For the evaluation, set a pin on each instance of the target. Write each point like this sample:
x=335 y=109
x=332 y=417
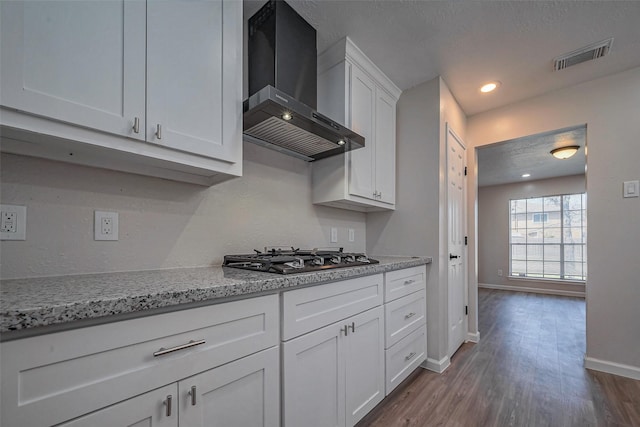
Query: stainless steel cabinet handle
x=353 y=326
x=345 y=330
x=380 y=195
x=167 y=403
x=192 y=393
x=410 y=356
x=159 y=131
x=136 y=124
x=408 y=282
x=162 y=351
x=409 y=316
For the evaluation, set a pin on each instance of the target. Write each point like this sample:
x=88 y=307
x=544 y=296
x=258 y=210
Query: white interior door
x=457 y=255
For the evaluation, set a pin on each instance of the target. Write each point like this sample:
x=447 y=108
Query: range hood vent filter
x=587 y=53
x=290 y=137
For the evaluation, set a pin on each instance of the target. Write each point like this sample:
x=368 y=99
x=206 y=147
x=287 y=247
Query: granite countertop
x=46 y=301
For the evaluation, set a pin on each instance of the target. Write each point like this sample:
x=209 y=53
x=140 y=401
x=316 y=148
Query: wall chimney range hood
x=280 y=112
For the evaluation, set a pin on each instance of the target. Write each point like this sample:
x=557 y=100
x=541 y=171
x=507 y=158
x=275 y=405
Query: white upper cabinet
x=78 y=62
x=147 y=87
x=191 y=89
x=353 y=91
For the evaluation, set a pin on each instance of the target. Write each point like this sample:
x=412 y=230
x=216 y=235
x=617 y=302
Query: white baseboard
x=473 y=337
x=579 y=294
x=628 y=371
x=438 y=366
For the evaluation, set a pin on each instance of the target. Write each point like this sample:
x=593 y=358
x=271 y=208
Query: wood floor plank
x=526 y=371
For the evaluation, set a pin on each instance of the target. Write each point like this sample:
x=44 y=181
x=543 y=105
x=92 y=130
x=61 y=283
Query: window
x=548 y=237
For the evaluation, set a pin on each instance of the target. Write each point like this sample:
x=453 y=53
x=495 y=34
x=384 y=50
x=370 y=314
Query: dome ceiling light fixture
x=565 y=152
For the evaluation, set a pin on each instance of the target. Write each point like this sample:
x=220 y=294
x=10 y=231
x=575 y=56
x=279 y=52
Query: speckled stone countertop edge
x=46 y=301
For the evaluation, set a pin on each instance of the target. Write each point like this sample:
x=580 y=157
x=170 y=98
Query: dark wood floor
x=526 y=371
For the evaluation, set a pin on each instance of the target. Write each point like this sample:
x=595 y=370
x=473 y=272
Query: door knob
x=452 y=256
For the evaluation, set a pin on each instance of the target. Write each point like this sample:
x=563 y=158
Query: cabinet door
x=364 y=364
x=385 y=156
x=147 y=410
x=313 y=379
x=193 y=76
x=243 y=393
x=361 y=163
x=81 y=62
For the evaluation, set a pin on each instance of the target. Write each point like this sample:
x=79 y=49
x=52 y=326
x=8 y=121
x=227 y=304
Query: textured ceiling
x=505 y=162
x=471 y=42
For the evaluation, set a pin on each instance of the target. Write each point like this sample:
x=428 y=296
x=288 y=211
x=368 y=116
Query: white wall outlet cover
x=352 y=235
x=105 y=225
x=13 y=222
x=334 y=235
x=631 y=189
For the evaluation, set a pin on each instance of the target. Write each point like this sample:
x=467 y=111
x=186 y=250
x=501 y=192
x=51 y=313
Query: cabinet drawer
x=403 y=315
x=403 y=282
x=307 y=309
x=52 y=378
x=404 y=357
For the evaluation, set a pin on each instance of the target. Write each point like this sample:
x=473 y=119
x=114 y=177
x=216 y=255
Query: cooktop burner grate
x=290 y=260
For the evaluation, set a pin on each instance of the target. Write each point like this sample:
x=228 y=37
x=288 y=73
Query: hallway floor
x=526 y=371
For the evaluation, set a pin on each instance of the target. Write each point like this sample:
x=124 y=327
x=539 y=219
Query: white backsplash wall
x=163 y=224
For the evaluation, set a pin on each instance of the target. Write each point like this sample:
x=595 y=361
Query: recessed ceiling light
x=286 y=116
x=526 y=175
x=489 y=87
x=341 y=142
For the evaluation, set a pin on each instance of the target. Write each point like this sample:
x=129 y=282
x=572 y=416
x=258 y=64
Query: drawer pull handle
x=136 y=124
x=409 y=316
x=159 y=131
x=162 y=351
x=167 y=403
x=192 y=393
x=408 y=282
x=410 y=356
x=353 y=326
x=345 y=330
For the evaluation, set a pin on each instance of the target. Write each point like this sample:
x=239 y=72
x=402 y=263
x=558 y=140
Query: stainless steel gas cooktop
x=290 y=260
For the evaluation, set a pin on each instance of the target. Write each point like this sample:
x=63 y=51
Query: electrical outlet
x=13 y=222
x=105 y=226
x=500 y=272
x=352 y=235
x=334 y=235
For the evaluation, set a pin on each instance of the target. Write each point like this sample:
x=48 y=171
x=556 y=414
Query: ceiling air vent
x=587 y=53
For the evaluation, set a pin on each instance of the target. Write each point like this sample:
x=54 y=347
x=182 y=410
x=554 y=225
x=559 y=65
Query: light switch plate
x=334 y=235
x=631 y=189
x=13 y=222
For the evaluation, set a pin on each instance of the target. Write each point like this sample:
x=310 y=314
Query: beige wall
x=610 y=107
x=418 y=225
x=163 y=224
x=493 y=230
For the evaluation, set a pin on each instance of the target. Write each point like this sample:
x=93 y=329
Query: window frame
x=538 y=249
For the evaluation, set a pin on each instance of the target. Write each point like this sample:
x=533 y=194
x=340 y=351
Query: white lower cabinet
x=148 y=409
x=240 y=394
x=333 y=352
x=335 y=375
x=405 y=324
x=229 y=352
